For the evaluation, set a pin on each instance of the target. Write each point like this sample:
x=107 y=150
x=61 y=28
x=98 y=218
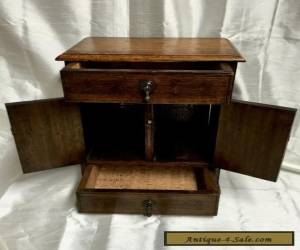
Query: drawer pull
x=148 y=205
x=147 y=87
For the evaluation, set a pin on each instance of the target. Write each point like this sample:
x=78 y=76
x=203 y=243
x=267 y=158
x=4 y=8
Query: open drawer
x=156 y=83
x=143 y=190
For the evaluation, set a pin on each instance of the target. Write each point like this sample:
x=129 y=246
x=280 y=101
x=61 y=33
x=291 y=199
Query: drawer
x=144 y=190
x=156 y=83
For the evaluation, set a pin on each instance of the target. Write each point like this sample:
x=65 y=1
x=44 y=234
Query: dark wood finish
x=213 y=124
x=143 y=163
x=203 y=201
x=252 y=138
x=233 y=66
x=149 y=132
x=152 y=49
x=132 y=203
x=48 y=133
x=170 y=86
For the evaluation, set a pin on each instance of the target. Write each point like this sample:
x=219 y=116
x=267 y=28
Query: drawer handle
x=148 y=205
x=147 y=87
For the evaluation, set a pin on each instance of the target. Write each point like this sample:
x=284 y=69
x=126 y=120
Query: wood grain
x=166 y=203
x=252 y=138
x=149 y=132
x=48 y=133
x=170 y=86
x=152 y=49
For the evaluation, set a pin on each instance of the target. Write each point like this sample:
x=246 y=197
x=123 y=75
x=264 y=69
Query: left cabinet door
x=48 y=133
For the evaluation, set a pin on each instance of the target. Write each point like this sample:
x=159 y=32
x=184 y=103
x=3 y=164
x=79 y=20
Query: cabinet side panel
x=48 y=133
x=252 y=138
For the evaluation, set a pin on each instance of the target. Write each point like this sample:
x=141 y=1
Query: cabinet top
x=152 y=49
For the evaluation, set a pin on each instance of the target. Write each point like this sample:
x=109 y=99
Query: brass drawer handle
x=147 y=87
x=148 y=206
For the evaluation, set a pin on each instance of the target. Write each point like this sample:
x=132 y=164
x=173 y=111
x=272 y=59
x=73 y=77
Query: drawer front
x=129 y=86
x=150 y=202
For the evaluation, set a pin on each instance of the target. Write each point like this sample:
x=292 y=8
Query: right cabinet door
x=252 y=138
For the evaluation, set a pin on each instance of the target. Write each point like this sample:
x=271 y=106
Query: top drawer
x=156 y=83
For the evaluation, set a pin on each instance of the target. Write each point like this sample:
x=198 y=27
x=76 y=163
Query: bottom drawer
x=144 y=190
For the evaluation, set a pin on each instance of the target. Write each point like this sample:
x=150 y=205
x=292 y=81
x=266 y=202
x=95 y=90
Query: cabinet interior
x=116 y=132
x=181 y=132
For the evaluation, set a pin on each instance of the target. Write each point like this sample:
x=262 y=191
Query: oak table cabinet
x=151 y=121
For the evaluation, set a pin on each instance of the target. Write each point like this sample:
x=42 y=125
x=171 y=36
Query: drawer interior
x=143 y=178
x=202 y=66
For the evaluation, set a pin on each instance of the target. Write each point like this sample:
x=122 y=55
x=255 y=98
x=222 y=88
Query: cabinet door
x=48 y=133
x=252 y=138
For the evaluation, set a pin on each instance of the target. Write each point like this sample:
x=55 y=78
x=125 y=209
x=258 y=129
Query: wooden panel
x=170 y=86
x=48 y=133
x=144 y=163
x=152 y=49
x=149 y=132
x=94 y=199
x=213 y=124
x=252 y=138
x=132 y=203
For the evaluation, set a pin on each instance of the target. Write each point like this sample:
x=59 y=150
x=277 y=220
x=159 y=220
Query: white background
x=37 y=211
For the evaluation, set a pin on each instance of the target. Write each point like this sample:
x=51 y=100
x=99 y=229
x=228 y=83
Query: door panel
x=48 y=133
x=252 y=138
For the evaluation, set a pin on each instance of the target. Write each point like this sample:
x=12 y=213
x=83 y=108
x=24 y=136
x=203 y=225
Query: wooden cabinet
x=152 y=121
